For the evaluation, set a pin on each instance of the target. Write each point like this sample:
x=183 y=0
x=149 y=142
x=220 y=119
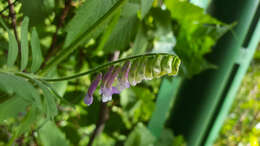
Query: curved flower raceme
x=117 y=78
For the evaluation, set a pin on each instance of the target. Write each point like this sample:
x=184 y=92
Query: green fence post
x=244 y=62
x=200 y=98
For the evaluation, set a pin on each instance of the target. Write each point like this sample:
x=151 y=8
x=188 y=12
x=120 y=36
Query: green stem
x=100 y=67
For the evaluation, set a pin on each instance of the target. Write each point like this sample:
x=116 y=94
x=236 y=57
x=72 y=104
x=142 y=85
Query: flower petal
x=88 y=99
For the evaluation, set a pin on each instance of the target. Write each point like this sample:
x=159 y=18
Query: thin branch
x=6 y=8
x=100 y=125
x=100 y=67
x=53 y=47
x=13 y=18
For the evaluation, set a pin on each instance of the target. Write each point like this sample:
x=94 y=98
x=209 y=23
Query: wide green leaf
x=18 y=86
x=24 y=43
x=86 y=16
x=37 y=10
x=124 y=30
x=50 y=135
x=197 y=33
x=145 y=7
x=37 y=58
x=140 y=42
x=12 y=49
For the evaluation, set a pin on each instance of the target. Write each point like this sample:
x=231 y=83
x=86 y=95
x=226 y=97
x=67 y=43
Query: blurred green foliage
x=87 y=34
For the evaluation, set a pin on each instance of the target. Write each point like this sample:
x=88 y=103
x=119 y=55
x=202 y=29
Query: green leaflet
x=20 y=87
x=24 y=43
x=12 y=49
x=49 y=106
x=36 y=51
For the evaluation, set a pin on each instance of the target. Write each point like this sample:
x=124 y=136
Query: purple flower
x=106 y=87
x=89 y=96
x=123 y=79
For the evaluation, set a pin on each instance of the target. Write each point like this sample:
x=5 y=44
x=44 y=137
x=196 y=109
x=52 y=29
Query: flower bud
x=175 y=66
x=157 y=66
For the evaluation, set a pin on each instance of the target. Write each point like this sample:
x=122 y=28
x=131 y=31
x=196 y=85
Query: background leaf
x=50 y=135
x=37 y=10
x=140 y=136
x=36 y=51
x=28 y=121
x=124 y=30
x=145 y=7
x=24 y=43
x=12 y=107
x=85 y=17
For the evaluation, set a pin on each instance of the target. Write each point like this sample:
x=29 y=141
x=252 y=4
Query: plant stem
x=103 y=117
x=100 y=67
x=13 y=18
x=6 y=8
x=103 y=113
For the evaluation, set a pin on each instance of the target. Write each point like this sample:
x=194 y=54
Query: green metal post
x=244 y=62
x=200 y=98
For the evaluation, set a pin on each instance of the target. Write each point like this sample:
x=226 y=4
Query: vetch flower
x=116 y=79
x=89 y=96
x=107 y=90
x=123 y=79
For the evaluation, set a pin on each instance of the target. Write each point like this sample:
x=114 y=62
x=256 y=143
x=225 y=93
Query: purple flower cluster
x=107 y=89
x=116 y=79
